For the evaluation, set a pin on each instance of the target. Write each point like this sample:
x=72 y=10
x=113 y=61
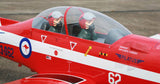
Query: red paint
x=56 y=52
x=26 y=47
x=65 y=19
x=137 y=47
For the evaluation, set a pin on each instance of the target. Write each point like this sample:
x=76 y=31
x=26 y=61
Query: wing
x=56 y=78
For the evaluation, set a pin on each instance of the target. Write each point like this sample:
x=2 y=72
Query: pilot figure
x=54 y=23
x=87 y=27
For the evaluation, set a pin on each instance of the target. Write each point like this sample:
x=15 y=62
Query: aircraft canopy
x=107 y=30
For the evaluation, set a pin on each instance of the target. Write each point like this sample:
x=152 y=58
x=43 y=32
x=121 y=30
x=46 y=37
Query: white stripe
x=80 y=58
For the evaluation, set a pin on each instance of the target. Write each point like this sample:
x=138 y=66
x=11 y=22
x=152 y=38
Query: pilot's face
x=88 y=23
x=56 y=21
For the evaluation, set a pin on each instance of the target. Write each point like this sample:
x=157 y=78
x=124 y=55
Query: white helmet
x=89 y=16
x=56 y=14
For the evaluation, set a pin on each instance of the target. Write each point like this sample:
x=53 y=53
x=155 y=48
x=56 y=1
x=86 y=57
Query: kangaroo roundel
x=25 y=48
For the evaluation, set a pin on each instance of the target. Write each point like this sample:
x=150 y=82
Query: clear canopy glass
x=107 y=30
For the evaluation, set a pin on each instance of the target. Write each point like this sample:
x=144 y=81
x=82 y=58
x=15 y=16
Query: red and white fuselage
x=131 y=59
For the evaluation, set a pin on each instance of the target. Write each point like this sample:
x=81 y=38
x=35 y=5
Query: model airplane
x=75 y=45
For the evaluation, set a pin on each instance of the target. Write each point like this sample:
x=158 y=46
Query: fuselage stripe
x=78 y=57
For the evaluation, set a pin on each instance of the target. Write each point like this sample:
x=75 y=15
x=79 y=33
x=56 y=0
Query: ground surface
x=139 y=16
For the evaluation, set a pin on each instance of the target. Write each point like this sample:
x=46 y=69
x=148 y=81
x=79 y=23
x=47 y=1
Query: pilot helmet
x=86 y=17
x=54 y=15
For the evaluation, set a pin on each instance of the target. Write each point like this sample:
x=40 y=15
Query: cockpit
x=81 y=23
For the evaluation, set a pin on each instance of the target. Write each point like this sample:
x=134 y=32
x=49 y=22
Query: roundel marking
x=25 y=48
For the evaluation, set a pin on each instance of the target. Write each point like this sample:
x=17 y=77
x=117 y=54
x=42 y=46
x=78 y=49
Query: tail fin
x=4 y=21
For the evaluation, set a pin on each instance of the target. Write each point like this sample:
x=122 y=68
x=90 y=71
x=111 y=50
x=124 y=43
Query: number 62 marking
x=112 y=77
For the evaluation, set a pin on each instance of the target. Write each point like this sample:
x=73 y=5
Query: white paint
x=78 y=57
x=43 y=38
x=72 y=45
x=24 y=49
x=126 y=49
x=114 y=78
x=157 y=36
